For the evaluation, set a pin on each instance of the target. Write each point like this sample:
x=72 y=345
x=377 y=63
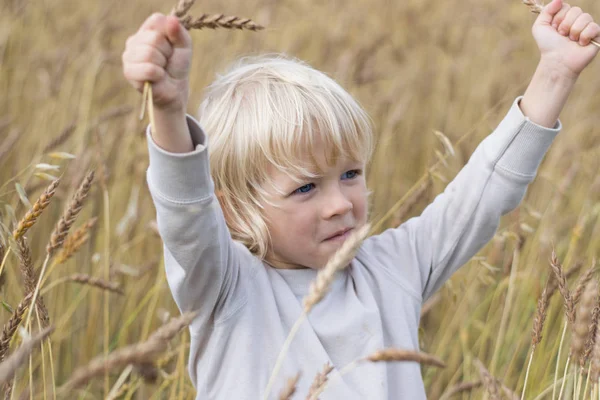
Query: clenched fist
x=160 y=52
x=563 y=34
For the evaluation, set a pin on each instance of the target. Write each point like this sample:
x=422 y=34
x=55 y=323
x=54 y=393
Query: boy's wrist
x=551 y=65
x=172 y=132
x=547 y=93
x=175 y=108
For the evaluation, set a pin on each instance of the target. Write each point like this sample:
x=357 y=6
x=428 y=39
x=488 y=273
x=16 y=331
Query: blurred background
x=435 y=76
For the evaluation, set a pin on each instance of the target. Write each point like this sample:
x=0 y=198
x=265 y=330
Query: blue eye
x=305 y=189
x=353 y=173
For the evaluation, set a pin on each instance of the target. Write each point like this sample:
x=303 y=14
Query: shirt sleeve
x=202 y=262
x=425 y=251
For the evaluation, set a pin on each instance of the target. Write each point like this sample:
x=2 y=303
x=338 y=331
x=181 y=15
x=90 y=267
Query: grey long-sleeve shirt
x=246 y=308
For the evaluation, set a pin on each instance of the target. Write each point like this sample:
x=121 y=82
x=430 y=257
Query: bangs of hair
x=277 y=112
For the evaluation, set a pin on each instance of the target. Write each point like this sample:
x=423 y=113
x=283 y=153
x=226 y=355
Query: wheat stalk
x=12 y=363
x=61 y=138
x=204 y=21
x=97 y=282
x=182 y=7
x=9 y=142
x=134 y=354
x=383 y=355
x=61 y=230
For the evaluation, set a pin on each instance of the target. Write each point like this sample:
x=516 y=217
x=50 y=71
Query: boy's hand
x=160 y=52
x=563 y=34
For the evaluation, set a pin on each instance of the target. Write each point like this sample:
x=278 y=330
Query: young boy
x=288 y=148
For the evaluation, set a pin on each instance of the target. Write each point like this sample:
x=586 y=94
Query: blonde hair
x=268 y=111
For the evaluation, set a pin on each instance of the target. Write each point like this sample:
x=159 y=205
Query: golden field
x=416 y=66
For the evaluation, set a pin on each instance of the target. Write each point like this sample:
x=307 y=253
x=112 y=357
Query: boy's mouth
x=342 y=234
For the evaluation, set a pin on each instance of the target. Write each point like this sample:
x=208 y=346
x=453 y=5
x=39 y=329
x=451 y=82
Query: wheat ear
x=563 y=288
x=97 y=282
x=595 y=361
x=61 y=230
x=591 y=339
x=68 y=218
x=134 y=354
x=319 y=380
x=12 y=363
x=74 y=241
x=384 y=355
x=36 y=210
x=29 y=276
x=340 y=260
x=290 y=387
x=538 y=327
x=11 y=326
x=489 y=382
x=204 y=21
x=182 y=7
x=583 y=281
x=215 y=21
x=581 y=327
x=392 y=354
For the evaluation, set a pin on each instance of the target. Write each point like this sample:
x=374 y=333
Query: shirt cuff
x=180 y=177
x=518 y=144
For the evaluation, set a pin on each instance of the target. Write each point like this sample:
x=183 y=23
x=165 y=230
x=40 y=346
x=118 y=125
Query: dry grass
x=139 y=353
x=417 y=67
x=96 y=282
x=15 y=360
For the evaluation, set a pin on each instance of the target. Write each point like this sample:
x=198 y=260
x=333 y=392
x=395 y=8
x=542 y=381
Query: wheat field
x=436 y=78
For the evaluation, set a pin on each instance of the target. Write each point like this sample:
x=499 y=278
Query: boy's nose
x=336 y=203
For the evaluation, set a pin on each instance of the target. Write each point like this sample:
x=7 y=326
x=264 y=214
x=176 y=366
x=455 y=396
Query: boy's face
x=305 y=221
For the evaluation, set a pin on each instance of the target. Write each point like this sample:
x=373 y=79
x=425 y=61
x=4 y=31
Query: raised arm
x=206 y=269
x=203 y=264
x=426 y=250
